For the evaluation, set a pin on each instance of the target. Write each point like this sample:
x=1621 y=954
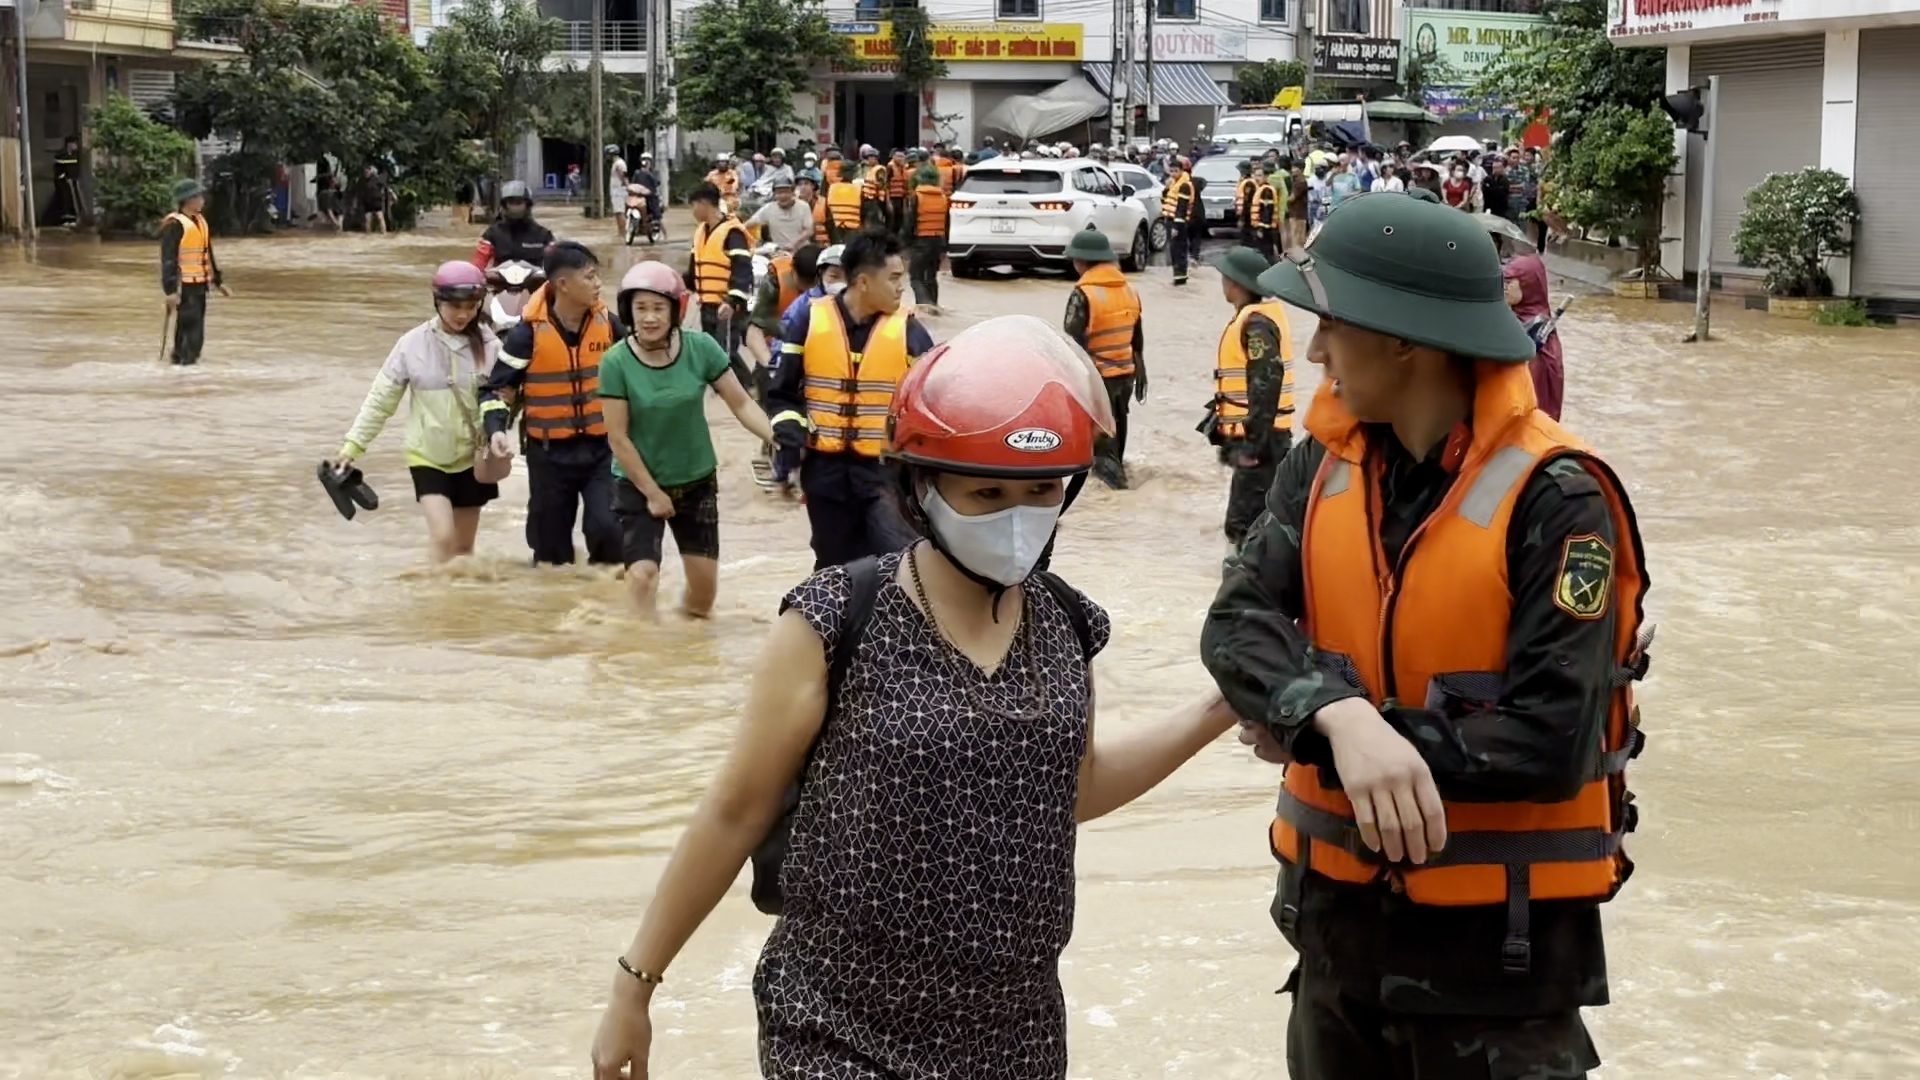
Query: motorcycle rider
x=647 y=178
x=514 y=235
x=720 y=272
x=726 y=182
x=771 y=174
x=786 y=222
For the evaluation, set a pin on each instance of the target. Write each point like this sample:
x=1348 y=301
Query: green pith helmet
x=187 y=189
x=1090 y=246
x=1415 y=270
x=1243 y=266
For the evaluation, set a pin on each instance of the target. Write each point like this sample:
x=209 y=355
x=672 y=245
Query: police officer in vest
x=551 y=360
x=1251 y=419
x=720 y=273
x=1437 y=622
x=841 y=357
x=1103 y=317
x=187 y=269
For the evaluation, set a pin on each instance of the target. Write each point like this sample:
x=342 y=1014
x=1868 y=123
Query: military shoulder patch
x=1584 y=586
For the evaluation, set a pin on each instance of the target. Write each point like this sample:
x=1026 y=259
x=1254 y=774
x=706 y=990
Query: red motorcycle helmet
x=1008 y=397
x=457 y=280
x=652 y=276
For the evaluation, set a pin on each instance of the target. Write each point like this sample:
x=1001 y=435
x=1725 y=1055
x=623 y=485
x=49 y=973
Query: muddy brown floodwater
x=278 y=800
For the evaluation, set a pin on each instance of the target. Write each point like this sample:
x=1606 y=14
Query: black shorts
x=695 y=521
x=460 y=488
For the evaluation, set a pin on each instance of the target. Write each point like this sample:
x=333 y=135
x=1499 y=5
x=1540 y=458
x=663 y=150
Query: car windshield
x=1252 y=125
x=991 y=181
x=1216 y=169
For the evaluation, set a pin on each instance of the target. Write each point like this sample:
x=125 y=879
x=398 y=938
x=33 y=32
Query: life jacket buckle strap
x=1516 y=950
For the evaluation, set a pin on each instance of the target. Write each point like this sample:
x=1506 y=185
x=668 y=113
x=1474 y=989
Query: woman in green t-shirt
x=653 y=390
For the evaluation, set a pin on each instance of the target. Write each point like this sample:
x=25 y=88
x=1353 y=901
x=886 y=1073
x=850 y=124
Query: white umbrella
x=1455 y=144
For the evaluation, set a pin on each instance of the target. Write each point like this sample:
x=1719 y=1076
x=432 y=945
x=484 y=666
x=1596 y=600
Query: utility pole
x=1703 y=285
x=599 y=186
x=1306 y=39
x=29 y=220
x=1124 y=75
x=653 y=62
x=1116 y=122
x=1153 y=107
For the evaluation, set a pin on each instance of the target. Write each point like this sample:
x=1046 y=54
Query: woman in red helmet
x=653 y=393
x=928 y=883
x=439 y=364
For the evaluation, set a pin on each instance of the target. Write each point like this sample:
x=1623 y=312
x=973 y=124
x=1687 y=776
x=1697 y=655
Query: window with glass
x=1017 y=9
x=1178 y=10
x=1273 y=11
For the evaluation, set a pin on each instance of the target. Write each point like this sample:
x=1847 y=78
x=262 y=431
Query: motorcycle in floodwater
x=512 y=284
x=640 y=220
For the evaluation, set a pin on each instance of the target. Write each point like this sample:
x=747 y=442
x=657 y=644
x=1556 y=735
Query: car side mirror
x=1127 y=191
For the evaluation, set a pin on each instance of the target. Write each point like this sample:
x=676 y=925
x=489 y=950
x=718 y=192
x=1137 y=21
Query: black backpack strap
x=1075 y=603
x=863 y=585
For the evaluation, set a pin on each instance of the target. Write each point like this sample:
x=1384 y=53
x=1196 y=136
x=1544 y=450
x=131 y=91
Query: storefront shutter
x=1886 y=261
x=1770 y=106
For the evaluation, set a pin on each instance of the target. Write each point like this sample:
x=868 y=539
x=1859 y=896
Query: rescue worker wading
x=1103 y=317
x=188 y=269
x=1177 y=207
x=552 y=360
x=720 y=272
x=1442 y=603
x=927 y=209
x=900 y=178
x=514 y=235
x=1263 y=215
x=845 y=200
x=1243 y=203
x=1251 y=420
x=841 y=358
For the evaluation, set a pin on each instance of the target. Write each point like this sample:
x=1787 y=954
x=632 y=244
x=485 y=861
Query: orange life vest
x=781 y=267
x=897 y=180
x=820 y=234
x=726 y=180
x=1230 y=378
x=1243 y=196
x=196 y=248
x=950 y=174
x=930 y=217
x=830 y=170
x=1113 y=311
x=1177 y=187
x=1434 y=630
x=875 y=187
x=848 y=393
x=562 y=390
x=1264 y=211
x=712 y=262
x=843 y=203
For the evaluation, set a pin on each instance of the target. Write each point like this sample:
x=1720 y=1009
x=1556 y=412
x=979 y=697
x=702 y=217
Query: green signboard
x=1467 y=40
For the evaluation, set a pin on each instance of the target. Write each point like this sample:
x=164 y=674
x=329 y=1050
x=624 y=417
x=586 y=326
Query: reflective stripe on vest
x=1113 y=311
x=712 y=263
x=896 y=181
x=1230 y=378
x=843 y=202
x=1170 y=199
x=196 y=260
x=1265 y=209
x=1242 y=195
x=874 y=187
x=1435 y=633
x=931 y=218
x=848 y=393
x=562 y=388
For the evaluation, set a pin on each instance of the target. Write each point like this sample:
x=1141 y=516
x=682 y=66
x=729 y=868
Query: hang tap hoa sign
x=960 y=42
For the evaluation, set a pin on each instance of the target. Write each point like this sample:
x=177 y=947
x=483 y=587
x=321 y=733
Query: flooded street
x=279 y=800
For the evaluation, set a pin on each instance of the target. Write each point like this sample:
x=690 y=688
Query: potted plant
x=1793 y=225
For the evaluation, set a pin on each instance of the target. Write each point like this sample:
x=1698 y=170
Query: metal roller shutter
x=1886 y=262
x=1770 y=106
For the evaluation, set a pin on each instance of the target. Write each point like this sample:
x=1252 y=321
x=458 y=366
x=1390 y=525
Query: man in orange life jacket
x=720 y=273
x=551 y=360
x=927 y=218
x=841 y=357
x=187 y=270
x=1103 y=317
x=1251 y=418
x=1437 y=622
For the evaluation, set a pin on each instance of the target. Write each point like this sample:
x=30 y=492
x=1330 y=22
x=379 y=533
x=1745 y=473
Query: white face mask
x=835 y=288
x=1002 y=546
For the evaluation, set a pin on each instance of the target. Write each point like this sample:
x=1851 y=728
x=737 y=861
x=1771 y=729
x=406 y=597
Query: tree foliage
x=137 y=161
x=913 y=44
x=1615 y=178
x=1259 y=84
x=1423 y=72
x=491 y=63
x=1793 y=224
x=741 y=62
x=566 y=111
x=1570 y=73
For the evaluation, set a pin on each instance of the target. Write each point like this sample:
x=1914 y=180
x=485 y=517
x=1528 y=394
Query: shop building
x=1830 y=83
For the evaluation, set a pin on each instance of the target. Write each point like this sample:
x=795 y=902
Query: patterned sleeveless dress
x=929 y=879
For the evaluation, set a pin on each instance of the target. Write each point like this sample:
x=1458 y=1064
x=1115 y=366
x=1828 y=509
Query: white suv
x=1024 y=211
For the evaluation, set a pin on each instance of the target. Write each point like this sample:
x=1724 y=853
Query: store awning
x=1173 y=84
x=1399 y=109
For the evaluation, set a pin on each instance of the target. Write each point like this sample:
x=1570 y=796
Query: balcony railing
x=615 y=37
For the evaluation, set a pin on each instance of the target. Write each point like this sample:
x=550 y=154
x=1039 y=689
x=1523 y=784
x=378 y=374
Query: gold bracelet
x=644 y=976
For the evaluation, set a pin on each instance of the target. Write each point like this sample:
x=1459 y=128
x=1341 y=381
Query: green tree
x=631 y=116
x=913 y=43
x=1615 y=177
x=1570 y=72
x=1257 y=84
x=1424 y=72
x=137 y=162
x=741 y=62
x=491 y=63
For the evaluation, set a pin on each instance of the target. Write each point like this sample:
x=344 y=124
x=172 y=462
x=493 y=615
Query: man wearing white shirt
x=1387 y=181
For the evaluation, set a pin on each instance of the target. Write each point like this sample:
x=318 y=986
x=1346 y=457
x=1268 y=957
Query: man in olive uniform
x=188 y=269
x=1253 y=388
x=1103 y=317
x=1243 y=203
x=1178 y=204
x=1442 y=602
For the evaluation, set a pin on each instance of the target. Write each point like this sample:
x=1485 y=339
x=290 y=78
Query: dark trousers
x=561 y=479
x=1110 y=451
x=850 y=505
x=1264 y=242
x=190 y=324
x=897 y=218
x=730 y=341
x=925 y=268
x=1247 y=496
x=1331 y=1036
x=1177 y=250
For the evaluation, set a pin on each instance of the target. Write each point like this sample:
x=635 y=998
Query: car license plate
x=1003 y=225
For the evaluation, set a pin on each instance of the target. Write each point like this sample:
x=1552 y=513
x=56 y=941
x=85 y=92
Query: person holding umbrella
x=1525 y=274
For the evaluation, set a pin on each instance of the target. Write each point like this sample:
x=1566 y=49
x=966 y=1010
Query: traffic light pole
x=1703 y=284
